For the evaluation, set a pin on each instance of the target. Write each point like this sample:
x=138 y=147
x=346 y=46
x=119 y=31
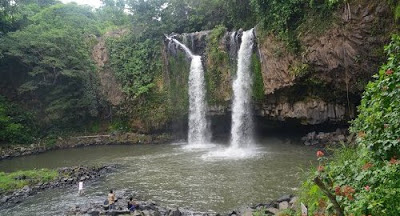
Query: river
x=172 y=175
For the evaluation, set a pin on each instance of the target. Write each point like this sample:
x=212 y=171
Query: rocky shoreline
x=324 y=139
x=151 y=208
x=12 y=151
x=68 y=177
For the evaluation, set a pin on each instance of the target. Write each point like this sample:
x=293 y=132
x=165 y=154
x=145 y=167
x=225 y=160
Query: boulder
x=176 y=213
x=247 y=213
x=272 y=210
x=284 y=198
x=283 y=205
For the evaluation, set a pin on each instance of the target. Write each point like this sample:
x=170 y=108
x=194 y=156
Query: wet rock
x=4 y=199
x=284 y=198
x=157 y=213
x=26 y=188
x=247 y=213
x=293 y=200
x=322 y=139
x=138 y=213
x=283 y=205
x=93 y=213
x=233 y=213
x=272 y=210
x=176 y=213
x=146 y=213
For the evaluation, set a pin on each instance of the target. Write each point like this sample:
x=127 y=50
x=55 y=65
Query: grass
x=19 y=179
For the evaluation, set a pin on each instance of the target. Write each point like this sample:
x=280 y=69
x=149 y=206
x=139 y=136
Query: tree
x=55 y=54
x=113 y=11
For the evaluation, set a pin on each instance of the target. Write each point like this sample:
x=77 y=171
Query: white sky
x=93 y=3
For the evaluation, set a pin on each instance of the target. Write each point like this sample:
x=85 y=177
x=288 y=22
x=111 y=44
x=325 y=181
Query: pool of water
x=201 y=179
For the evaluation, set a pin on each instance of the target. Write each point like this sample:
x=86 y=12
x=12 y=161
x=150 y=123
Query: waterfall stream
x=242 y=122
x=198 y=134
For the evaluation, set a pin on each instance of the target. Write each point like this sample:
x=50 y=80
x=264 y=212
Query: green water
x=172 y=176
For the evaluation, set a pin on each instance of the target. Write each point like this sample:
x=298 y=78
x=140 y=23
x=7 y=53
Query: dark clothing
x=132 y=206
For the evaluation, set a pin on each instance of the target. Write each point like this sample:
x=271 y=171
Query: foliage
x=260 y=212
x=112 y=13
x=258 y=81
x=395 y=6
x=153 y=18
x=299 y=69
x=178 y=86
x=283 y=17
x=16 y=125
x=138 y=68
x=119 y=125
x=14 y=14
x=217 y=61
x=193 y=15
x=54 y=53
x=19 y=179
x=378 y=122
x=364 y=179
x=151 y=113
x=135 y=65
x=286 y=212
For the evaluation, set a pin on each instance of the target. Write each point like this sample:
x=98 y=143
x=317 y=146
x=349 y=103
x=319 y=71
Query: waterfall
x=242 y=122
x=198 y=133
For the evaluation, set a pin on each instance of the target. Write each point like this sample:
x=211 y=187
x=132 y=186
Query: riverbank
x=12 y=151
x=23 y=184
x=283 y=205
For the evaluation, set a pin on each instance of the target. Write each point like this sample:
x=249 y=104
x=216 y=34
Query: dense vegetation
x=16 y=125
x=45 y=62
x=363 y=179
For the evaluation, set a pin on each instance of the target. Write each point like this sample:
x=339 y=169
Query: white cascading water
x=198 y=128
x=242 y=122
x=241 y=145
x=198 y=134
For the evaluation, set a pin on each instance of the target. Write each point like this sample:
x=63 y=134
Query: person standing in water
x=111 y=200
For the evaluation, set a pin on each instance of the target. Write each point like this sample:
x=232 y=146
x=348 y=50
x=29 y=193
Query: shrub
x=16 y=125
x=378 y=124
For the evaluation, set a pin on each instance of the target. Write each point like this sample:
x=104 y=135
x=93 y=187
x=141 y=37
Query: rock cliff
x=110 y=87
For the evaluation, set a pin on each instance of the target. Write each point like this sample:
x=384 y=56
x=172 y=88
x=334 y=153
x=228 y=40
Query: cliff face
x=110 y=87
x=322 y=83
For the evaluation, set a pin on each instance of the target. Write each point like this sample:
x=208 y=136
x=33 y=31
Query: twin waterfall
x=198 y=127
x=242 y=123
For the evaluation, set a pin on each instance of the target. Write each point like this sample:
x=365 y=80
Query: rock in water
x=283 y=205
x=285 y=198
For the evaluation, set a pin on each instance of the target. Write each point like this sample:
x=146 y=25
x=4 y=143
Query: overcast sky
x=93 y=3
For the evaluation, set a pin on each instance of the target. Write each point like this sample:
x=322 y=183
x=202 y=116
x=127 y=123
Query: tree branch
x=332 y=198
